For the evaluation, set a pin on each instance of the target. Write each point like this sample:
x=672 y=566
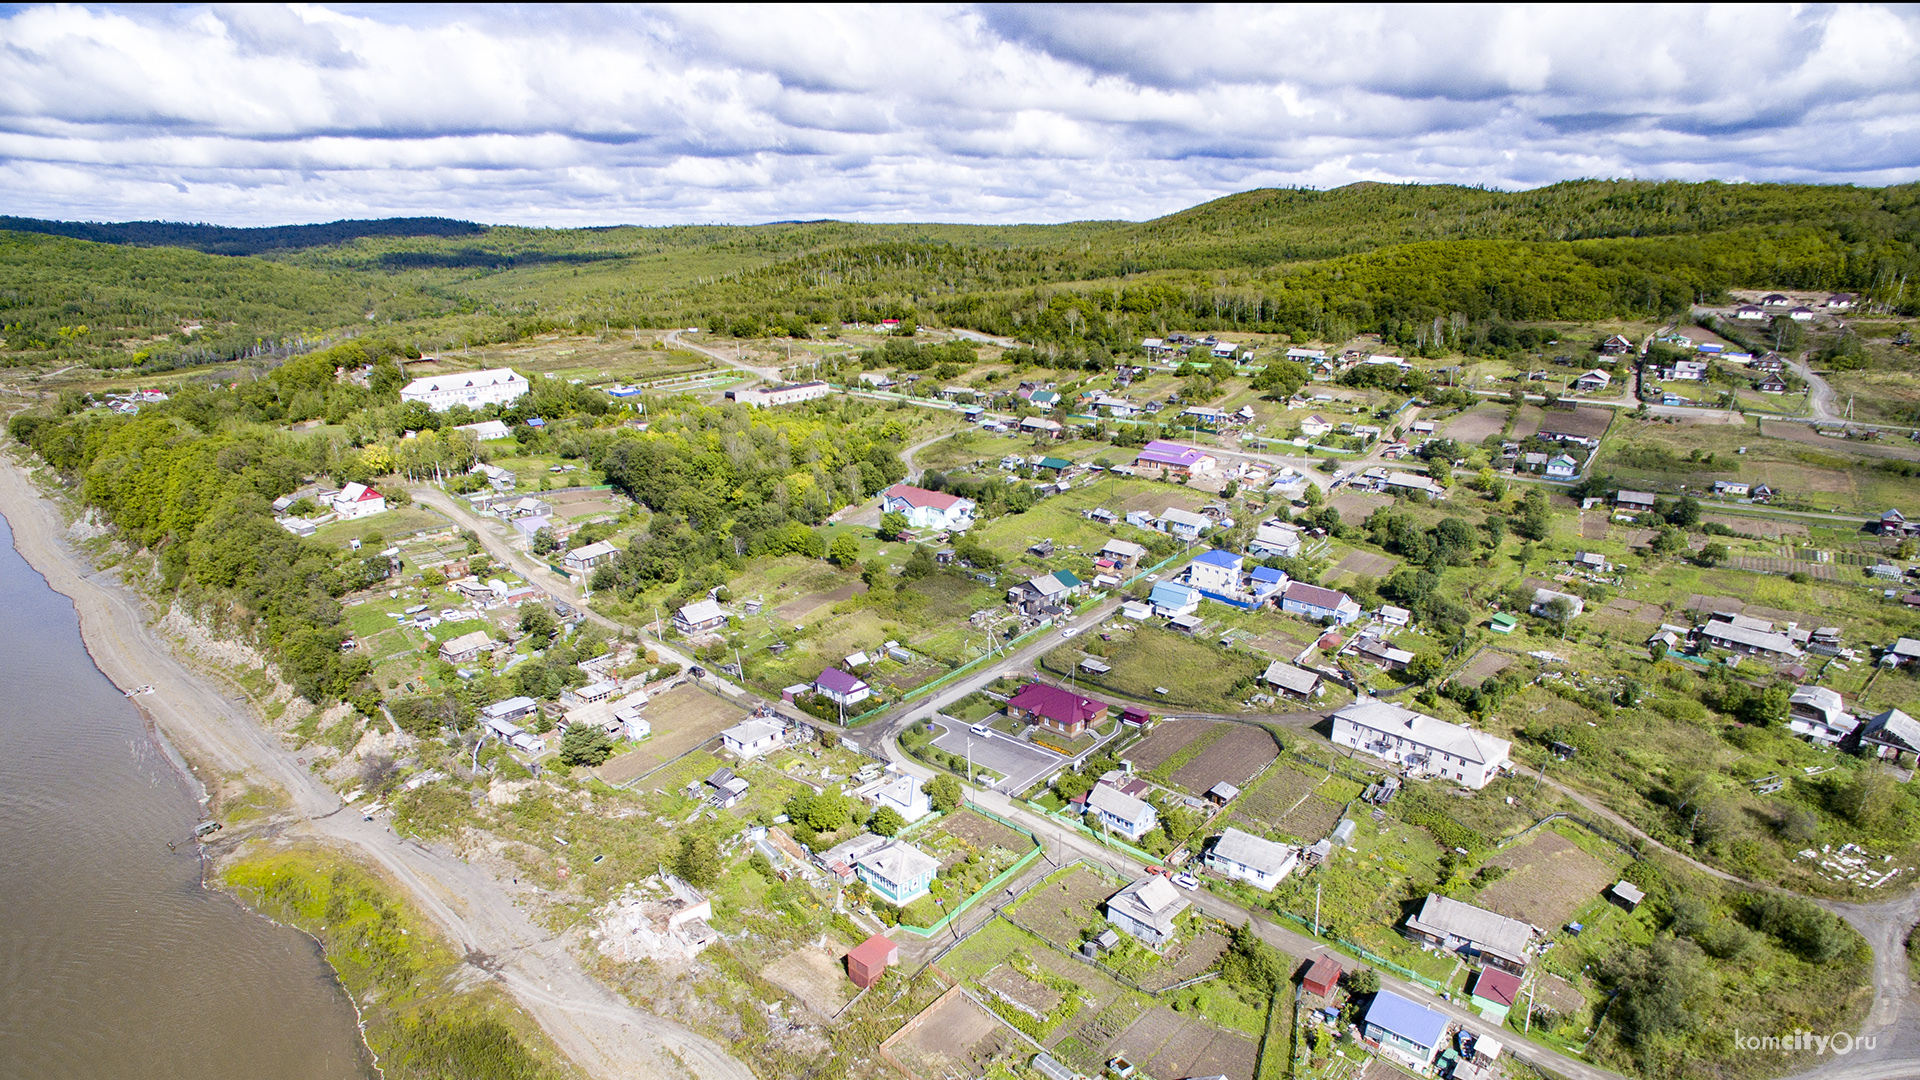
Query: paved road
x=1021 y=763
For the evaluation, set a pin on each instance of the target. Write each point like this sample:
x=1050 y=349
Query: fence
x=1102 y=836
x=1370 y=956
x=999 y=880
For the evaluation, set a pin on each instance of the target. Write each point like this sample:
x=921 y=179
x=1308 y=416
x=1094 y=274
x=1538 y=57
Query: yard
x=1290 y=803
x=1162 y=667
x=683 y=718
x=1548 y=878
x=1233 y=757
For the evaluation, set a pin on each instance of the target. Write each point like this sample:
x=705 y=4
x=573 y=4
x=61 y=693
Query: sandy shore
x=603 y=1035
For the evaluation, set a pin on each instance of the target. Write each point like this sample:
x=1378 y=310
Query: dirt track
x=603 y=1035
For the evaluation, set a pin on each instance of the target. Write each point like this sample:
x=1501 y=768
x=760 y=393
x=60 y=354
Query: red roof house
x=869 y=960
x=1055 y=709
x=1322 y=977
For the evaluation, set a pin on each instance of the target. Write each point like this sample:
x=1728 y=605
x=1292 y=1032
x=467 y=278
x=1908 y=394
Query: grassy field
x=1194 y=674
x=400 y=973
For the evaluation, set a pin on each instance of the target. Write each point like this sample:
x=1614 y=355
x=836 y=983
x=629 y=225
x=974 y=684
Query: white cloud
x=562 y=116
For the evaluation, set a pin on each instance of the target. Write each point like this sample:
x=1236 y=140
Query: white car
x=1070 y=631
x=983 y=731
x=1186 y=881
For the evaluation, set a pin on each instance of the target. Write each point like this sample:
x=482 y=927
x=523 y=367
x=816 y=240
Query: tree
x=886 y=821
x=544 y=542
x=1425 y=667
x=944 y=792
x=1685 y=513
x=892 y=524
x=699 y=861
x=1559 y=610
x=1713 y=554
x=1669 y=541
x=585 y=744
x=1655 y=986
x=844 y=552
x=919 y=563
x=1363 y=981
x=828 y=811
x=536 y=621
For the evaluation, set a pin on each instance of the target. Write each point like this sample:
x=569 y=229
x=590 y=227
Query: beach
x=218 y=734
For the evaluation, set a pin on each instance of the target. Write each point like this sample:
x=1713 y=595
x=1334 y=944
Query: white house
x=1562 y=467
x=1275 y=538
x=1120 y=812
x=358 y=501
x=494 y=386
x=900 y=793
x=582 y=559
x=1593 y=381
x=1819 y=714
x=753 y=738
x=928 y=509
x=1543 y=602
x=1147 y=910
x=1246 y=857
x=487 y=430
x=897 y=872
x=1183 y=524
x=1422 y=743
x=1170 y=599
x=842 y=688
x=1315 y=426
x=699 y=616
x=767 y=397
x=1314 y=602
x=1216 y=571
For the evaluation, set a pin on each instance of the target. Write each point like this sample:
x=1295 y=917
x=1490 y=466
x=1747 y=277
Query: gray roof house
x=1246 y=857
x=1147 y=910
x=1460 y=927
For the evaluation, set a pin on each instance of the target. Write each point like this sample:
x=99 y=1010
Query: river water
x=114 y=962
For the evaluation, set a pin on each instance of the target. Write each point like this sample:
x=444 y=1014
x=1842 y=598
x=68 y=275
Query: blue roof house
x=1265 y=581
x=1170 y=599
x=1413 y=1032
x=1216 y=572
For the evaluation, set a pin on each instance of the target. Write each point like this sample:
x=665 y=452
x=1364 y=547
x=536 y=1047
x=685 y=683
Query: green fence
x=1370 y=956
x=999 y=881
x=1081 y=826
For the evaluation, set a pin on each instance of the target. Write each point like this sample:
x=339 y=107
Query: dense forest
x=1315 y=264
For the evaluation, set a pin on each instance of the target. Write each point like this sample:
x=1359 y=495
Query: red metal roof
x=914 y=496
x=1060 y=706
x=873 y=952
x=1497 y=986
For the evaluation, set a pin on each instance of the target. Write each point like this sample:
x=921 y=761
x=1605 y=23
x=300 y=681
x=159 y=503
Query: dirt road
x=600 y=1033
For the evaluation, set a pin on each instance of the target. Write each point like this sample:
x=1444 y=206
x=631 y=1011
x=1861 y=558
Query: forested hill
x=1318 y=264
x=221 y=240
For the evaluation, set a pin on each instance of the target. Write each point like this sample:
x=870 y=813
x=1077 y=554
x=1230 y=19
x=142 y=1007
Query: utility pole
x=1316 y=909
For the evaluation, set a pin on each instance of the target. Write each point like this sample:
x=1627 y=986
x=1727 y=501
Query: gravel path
x=603 y=1035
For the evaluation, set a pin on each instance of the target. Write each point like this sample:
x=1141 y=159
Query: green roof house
x=1503 y=624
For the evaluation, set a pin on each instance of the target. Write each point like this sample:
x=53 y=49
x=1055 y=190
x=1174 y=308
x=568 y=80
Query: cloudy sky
x=256 y=114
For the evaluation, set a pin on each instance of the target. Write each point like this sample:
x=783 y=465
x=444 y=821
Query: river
x=114 y=961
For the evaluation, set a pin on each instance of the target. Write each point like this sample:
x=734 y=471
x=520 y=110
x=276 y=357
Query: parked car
x=1186 y=881
x=983 y=731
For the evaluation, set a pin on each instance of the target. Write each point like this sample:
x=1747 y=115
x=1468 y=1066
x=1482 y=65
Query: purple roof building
x=1172 y=457
x=842 y=688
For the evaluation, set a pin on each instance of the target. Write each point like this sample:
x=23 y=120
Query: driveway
x=1023 y=764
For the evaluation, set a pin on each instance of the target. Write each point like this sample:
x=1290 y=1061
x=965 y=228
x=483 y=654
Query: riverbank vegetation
x=423 y=1013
